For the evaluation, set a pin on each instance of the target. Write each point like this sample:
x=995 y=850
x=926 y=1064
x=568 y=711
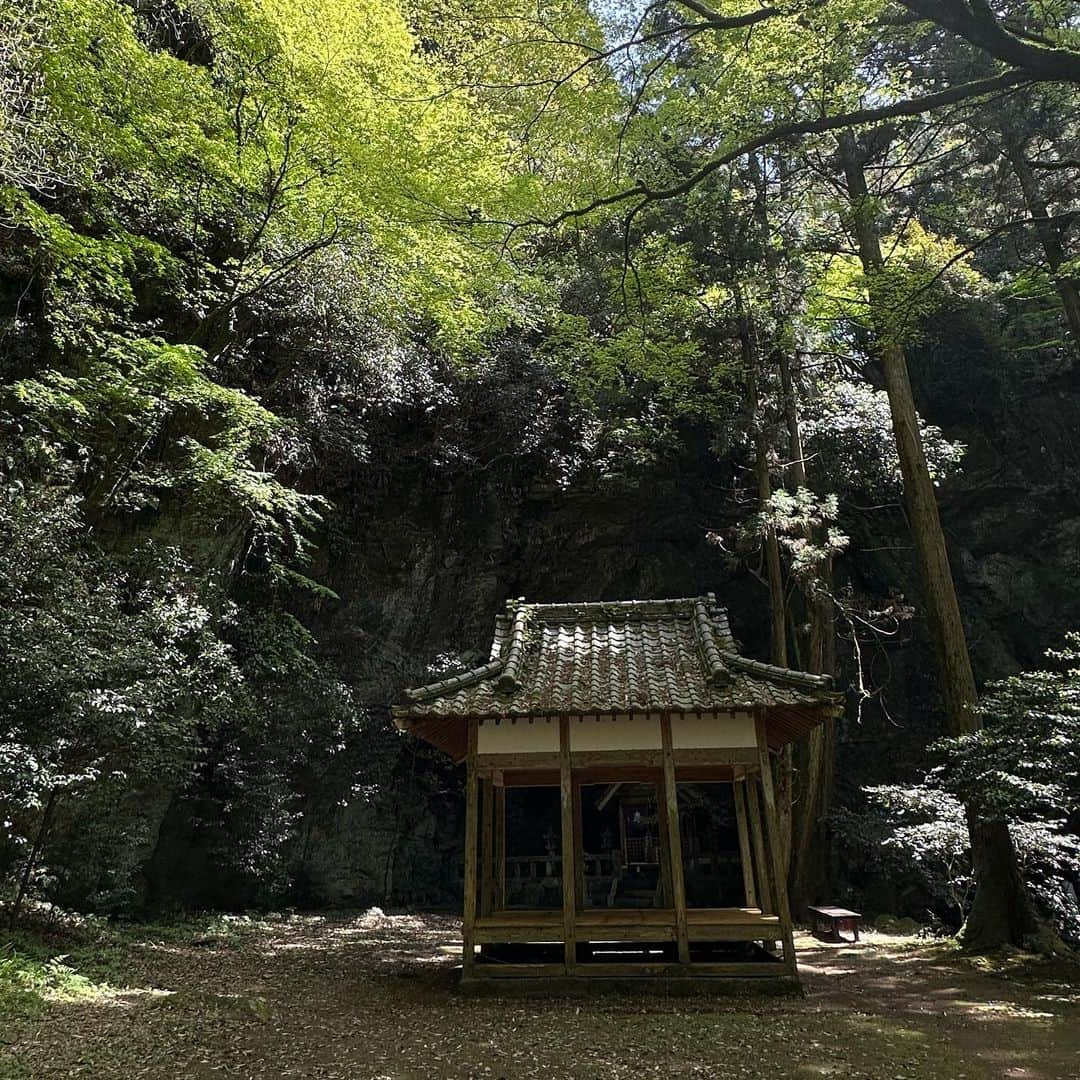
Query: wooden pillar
x=569 y=876
x=487 y=846
x=669 y=794
x=579 y=848
x=472 y=809
x=665 y=846
x=500 y=848
x=738 y=790
x=761 y=863
x=779 y=870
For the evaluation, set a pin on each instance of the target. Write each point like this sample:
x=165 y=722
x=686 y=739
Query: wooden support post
x=487 y=847
x=500 y=848
x=569 y=877
x=670 y=795
x=779 y=870
x=761 y=862
x=472 y=809
x=665 y=847
x=738 y=790
x=579 y=848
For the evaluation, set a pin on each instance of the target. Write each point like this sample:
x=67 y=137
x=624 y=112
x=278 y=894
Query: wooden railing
x=537 y=867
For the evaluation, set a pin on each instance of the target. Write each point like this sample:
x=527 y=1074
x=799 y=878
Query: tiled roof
x=632 y=656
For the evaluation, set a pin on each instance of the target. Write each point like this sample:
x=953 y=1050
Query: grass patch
x=28 y=983
x=74 y=958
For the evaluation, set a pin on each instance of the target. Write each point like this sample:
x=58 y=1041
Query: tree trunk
x=773 y=565
x=806 y=840
x=778 y=651
x=803 y=812
x=32 y=858
x=809 y=878
x=804 y=830
x=1002 y=912
x=1049 y=238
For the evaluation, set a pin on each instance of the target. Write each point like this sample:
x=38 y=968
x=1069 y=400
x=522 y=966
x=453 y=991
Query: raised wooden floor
x=628 y=924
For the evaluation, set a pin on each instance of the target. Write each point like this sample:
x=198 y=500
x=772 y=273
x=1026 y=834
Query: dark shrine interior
x=623 y=849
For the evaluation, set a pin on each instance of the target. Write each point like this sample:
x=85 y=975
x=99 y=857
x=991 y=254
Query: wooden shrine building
x=620 y=708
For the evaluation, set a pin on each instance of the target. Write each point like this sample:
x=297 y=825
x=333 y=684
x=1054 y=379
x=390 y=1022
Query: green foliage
x=848 y=427
x=31 y=146
x=1024 y=766
x=64 y=957
x=204 y=177
x=275 y=273
x=806 y=526
x=923 y=274
x=117 y=669
x=917 y=835
x=27 y=984
x=1026 y=761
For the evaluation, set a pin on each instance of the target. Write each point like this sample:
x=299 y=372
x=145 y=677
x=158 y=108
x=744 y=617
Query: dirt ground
x=372 y=996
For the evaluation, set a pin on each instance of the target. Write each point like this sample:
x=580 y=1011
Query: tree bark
x=773 y=565
x=810 y=842
x=802 y=819
x=1049 y=237
x=1002 y=911
x=32 y=858
x=778 y=650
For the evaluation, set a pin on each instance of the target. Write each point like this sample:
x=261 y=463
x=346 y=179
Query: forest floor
x=368 y=996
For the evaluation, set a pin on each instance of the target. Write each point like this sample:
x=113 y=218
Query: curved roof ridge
x=455 y=682
x=508 y=682
x=705 y=633
x=775 y=673
x=669 y=606
x=608 y=656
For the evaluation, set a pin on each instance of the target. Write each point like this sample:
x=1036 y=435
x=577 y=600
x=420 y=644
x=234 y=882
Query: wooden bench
x=830 y=922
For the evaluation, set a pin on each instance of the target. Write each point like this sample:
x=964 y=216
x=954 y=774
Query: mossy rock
x=902 y=926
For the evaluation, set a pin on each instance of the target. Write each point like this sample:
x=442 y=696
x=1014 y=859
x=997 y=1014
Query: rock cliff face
x=423 y=560
x=1012 y=518
x=423 y=587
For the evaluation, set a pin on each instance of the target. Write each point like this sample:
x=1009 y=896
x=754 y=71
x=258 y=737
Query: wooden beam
x=704 y=774
x=593 y=774
x=761 y=862
x=669 y=793
x=518 y=778
x=608 y=793
x=529 y=761
x=566 y=800
x=487 y=847
x=584 y=759
x=518 y=971
x=778 y=868
x=738 y=755
x=500 y=848
x=744 y=843
x=614 y=759
x=472 y=809
x=548 y=933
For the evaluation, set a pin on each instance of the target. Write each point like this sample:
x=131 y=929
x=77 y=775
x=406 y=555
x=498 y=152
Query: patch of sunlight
x=1060 y=999
x=1006 y=1008
x=28 y=984
x=126 y=997
x=908 y=1033
x=820 y=968
x=202 y=1001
